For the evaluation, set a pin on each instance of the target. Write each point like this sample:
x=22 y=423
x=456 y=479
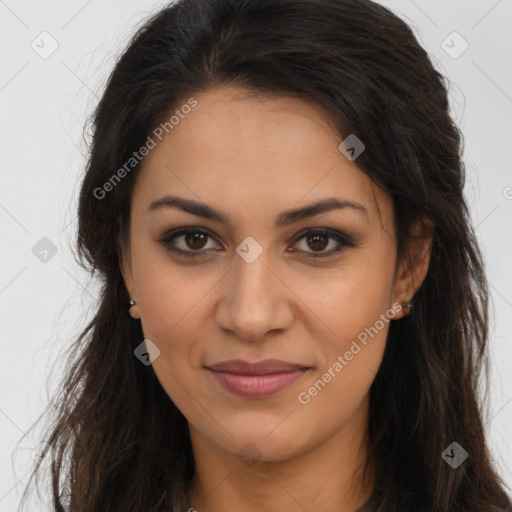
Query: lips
x=256 y=380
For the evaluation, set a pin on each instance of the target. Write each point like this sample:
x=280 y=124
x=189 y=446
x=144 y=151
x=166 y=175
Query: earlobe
x=133 y=310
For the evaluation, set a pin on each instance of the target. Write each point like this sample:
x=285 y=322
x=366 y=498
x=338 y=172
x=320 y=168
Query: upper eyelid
x=175 y=233
x=337 y=236
x=192 y=229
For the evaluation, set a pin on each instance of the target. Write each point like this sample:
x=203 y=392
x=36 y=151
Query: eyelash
x=342 y=239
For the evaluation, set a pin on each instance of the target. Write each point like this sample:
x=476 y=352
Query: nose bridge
x=252 y=279
x=254 y=300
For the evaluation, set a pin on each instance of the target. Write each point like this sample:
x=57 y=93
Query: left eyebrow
x=283 y=219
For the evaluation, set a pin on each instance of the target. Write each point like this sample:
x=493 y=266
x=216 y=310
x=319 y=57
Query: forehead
x=255 y=152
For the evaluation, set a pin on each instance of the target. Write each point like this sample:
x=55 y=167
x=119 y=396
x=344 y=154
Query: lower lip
x=257 y=386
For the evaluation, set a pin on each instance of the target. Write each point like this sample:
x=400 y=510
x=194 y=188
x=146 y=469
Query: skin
x=252 y=158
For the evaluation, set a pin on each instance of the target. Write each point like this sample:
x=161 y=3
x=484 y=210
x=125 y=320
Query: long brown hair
x=118 y=441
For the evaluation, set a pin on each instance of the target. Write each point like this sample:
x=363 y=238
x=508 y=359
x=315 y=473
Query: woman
x=294 y=306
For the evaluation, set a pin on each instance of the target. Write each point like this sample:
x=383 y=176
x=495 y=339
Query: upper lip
x=264 y=367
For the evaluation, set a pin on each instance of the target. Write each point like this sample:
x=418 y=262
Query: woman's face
x=232 y=171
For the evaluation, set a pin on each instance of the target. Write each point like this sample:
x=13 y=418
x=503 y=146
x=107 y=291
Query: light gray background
x=44 y=105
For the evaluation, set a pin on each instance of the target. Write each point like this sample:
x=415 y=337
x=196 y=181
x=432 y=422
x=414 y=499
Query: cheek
x=354 y=305
x=351 y=300
x=339 y=386
x=168 y=292
x=174 y=317
x=352 y=352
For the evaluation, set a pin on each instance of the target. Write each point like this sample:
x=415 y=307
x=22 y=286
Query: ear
x=412 y=270
x=125 y=264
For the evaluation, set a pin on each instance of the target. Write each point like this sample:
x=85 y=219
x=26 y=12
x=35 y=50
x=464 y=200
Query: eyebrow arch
x=283 y=219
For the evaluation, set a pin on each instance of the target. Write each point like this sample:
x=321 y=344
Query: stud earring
x=130 y=306
x=406 y=306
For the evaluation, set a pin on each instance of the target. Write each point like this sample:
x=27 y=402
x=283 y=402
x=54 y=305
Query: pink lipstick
x=256 y=380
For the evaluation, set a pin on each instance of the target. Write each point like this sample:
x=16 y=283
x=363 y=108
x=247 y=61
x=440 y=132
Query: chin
x=264 y=443
x=252 y=450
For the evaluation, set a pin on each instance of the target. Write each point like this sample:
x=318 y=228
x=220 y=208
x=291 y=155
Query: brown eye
x=188 y=242
x=317 y=240
x=195 y=240
x=192 y=242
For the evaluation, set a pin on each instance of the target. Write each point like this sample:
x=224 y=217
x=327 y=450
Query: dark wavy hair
x=118 y=442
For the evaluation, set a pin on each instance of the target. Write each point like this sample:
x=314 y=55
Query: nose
x=255 y=300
